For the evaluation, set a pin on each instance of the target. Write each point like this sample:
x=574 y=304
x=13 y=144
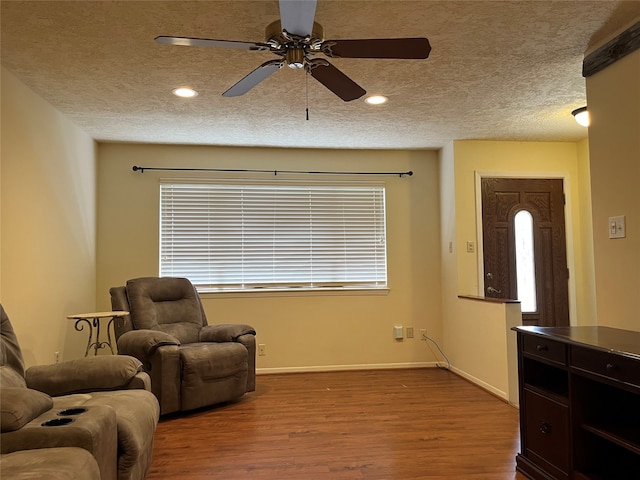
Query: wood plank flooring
x=374 y=425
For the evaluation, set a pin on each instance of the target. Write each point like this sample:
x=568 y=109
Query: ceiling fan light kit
x=296 y=38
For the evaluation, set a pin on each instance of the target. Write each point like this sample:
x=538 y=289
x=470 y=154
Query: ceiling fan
x=296 y=38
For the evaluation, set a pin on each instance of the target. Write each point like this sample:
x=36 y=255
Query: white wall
x=301 y=332
x=48 y=223
x=613 y=97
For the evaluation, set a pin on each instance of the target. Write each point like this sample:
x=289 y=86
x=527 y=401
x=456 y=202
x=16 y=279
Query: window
x=232 y=236
x=525 y=266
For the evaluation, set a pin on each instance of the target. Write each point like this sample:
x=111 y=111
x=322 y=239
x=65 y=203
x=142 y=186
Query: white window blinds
x=246 y=236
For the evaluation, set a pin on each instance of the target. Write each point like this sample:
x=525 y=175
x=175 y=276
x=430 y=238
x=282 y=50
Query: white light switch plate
x=397 y=332
x=617 y=227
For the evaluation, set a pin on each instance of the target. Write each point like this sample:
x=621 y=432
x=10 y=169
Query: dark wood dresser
x=579 y=403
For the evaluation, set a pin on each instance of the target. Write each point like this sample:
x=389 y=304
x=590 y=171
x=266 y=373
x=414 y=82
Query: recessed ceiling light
x=185 y=92
x=376 y=100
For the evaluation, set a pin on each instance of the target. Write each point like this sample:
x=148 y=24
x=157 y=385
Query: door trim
x=568 y=219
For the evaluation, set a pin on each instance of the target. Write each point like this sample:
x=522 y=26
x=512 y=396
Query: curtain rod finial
x=136 y=168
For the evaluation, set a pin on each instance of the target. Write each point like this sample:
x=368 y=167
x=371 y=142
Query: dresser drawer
x=610 y=365
x=545 y=348
x=547 y=430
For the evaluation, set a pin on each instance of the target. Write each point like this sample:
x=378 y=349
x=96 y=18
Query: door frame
x=568 y=220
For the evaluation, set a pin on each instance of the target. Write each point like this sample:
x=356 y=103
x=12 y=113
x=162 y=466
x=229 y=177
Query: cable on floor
x=448 y=367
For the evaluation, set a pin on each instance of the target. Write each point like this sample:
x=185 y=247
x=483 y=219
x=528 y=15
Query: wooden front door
x=543 y=199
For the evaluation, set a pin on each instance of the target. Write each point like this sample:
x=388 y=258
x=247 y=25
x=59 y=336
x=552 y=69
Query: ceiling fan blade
x=207 y=42
x=409 y=48
x=254 y=78
x=296 y=16
x=336 y=81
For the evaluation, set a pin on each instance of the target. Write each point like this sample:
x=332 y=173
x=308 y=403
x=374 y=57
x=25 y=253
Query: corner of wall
x=48 y=217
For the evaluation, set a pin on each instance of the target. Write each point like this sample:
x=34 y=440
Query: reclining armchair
x=99 y=404
x=192 y=364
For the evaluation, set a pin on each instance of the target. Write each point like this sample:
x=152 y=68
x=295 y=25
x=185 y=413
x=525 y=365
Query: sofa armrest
x=95 y=430
x=225 y=332
x=21 y=405
x=249 y=341
x=143 y=343
x=89 y=374
x=141 y=381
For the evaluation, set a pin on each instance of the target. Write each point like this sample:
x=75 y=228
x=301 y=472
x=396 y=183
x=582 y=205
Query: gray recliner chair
x=98 y=404
x=192 y=364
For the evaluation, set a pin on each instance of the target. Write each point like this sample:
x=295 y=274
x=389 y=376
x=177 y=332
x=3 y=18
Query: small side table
x=93 y=321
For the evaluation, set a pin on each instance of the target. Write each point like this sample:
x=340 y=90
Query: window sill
x=295 y=292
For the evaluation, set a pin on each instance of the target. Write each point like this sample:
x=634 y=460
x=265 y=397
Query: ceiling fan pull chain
x=306 y=77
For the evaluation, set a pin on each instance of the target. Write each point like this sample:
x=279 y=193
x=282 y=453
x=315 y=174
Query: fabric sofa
x=101 y=404
x=57 y=463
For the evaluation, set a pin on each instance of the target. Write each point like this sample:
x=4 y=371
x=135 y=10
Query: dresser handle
x=545 y=428
x=610 y=366
x=542 y=348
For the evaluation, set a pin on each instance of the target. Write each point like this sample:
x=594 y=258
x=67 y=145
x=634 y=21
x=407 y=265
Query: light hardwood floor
x=380 y=424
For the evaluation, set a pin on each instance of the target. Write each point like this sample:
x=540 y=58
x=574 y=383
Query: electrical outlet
x=409 y=332
x=423 y=332
x=262 y=349
x=57 y=354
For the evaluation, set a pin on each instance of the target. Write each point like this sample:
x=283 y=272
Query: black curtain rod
x=275 y=172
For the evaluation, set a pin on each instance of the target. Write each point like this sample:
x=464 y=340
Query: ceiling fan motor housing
x=294 y=47
x=295 y=57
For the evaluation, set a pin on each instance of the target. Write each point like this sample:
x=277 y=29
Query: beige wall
x=546 y=159
x=613 y=96
x=484 y=351
x=48 y=223
x=470 y=329
x=301 y=332
x=585 y=284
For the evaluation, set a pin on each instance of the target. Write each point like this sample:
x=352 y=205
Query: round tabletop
x=117 y=313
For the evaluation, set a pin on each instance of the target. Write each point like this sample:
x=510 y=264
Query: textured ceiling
x=508 y=70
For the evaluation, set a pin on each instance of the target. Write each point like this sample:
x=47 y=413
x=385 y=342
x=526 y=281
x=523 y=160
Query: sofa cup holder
x=72 y=411
x=56 y=422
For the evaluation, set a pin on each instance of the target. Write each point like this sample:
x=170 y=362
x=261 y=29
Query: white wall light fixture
x=582 y=116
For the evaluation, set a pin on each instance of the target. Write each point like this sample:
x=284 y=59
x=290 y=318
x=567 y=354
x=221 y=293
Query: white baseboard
x=338 y=368
x=484 y=385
